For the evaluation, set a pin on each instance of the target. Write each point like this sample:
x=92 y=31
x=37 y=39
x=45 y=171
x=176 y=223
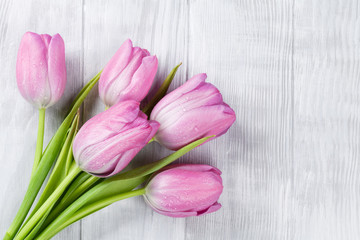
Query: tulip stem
x=57 y=174
x=40 y=140
x=75 y=190
x=72 y=193
x=48 y=204
x=87 y=210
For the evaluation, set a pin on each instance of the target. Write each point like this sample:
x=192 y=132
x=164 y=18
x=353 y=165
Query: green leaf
x=161 y=91
x=80 y=185
x=37 y=228
x=155 y=166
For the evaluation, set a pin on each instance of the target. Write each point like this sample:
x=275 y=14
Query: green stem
x=40 y=140
x=69 y=198
x=48 y=204
x=57 y=174
x=69 y=160
x=38 y=226
x=82 y=188
x=83 y=91
x=64 y=202
x=70 y=211
x=87 y=210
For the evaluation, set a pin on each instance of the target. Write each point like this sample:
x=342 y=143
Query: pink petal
x=57 y=68
x=32 y=71
x=142 y=80
x=188 y=86
x=115 y=66
x=211 y=209
x=105 y=125
x=196 y=124
x=194 y=167
x=115 y=91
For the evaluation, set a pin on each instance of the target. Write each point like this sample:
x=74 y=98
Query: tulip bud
x=190 y=112
x=128 y=76
x=40 y=68
x=185 y=190
x=109 y=141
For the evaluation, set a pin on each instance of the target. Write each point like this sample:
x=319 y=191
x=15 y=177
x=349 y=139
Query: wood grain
x=161 y=27
x=290 y=70
x=18 y=119
x=326 y=114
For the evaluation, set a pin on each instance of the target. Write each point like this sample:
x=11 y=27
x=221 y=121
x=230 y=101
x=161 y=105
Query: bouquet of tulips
x=85 y=164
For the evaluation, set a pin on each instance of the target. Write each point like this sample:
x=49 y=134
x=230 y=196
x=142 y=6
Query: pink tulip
x=40 y=68
x=128 y=76
x=109 y=141
x=190 y=112
x=185 y=190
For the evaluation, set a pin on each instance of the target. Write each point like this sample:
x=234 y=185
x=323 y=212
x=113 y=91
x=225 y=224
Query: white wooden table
x=291 y=71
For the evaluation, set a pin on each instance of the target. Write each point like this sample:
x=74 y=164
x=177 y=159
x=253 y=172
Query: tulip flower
x=108 y=142
x=190 y=112
x=185 y=190
x=128 y=76
x=41 y=76
x=40 y=68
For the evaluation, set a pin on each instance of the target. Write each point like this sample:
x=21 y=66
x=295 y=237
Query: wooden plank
x=161 y=27
x=290 y=70
x=326 y=113
x=246 y=49
x=248 y=56
x=18 y=119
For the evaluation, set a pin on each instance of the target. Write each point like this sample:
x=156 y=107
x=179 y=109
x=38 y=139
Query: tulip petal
x=188 y=86
x=114 y=67
x=205 y=95
x=31 y=70
x=194 y=167
x=57 y=68
x=211 y=209
x=105 y=125
x=116 y=89
x=122 y=162
x=195 y=124
x=46 y=39
x=131 y=78
x=142 y=79
x=107 y=152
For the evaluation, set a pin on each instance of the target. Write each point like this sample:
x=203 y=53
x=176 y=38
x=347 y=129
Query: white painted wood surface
x=290 y=70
